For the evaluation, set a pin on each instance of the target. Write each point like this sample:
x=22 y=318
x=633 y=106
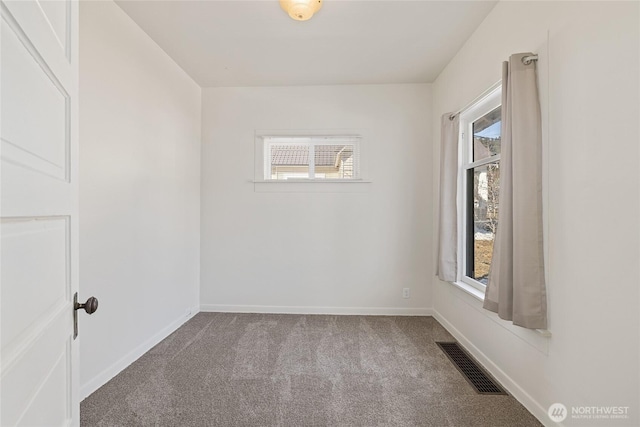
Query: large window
x=479 y=178
x=311 y=158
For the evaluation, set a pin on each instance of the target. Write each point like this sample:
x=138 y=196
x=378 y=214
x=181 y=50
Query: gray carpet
x=298 y=370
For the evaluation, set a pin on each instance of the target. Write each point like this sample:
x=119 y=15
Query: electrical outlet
x=406 y=293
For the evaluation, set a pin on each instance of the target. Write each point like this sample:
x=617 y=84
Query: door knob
x=90 y=306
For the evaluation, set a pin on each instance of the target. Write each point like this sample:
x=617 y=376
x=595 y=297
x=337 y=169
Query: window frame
x=311 y=141
x=481 y=107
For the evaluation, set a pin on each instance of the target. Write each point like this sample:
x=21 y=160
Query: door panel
x=32 y=379
x=57 y=15
x=38 y=20
x=33 y=241
x=34 y=114
x=39 y=206
x=50 y=407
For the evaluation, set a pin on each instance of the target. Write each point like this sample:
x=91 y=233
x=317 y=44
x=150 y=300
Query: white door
x=39 y=209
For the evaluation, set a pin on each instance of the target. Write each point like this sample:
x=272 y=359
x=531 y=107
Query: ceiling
x=255 y=43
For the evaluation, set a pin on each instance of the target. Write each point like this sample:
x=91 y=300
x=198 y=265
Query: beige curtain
x=516 y=288
x=448 y=222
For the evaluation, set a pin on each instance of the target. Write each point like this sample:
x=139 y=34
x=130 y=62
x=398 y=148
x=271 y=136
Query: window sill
x=311 y=186
x=479 y=295
x=474 y=292
x=312 y=181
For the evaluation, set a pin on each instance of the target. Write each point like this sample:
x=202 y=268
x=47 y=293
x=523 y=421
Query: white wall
x=588 y=72
x=330 y=252
x=139 y=192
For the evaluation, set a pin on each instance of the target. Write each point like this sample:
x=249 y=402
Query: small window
x=479 y=178
x=311 y=158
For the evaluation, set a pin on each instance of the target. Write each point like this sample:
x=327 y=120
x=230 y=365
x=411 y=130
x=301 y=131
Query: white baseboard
x=274 y=309
x=105 y=376
x=512 y=387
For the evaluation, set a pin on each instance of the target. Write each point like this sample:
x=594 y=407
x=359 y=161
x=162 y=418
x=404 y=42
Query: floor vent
x=473 y=373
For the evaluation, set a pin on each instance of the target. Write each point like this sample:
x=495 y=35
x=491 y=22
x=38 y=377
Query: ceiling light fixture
x=301 y=10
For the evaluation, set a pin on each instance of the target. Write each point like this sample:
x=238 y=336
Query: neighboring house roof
x=296 y=155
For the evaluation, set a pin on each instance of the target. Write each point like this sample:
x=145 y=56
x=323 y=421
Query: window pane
x=334 y=161
x=484 y=185
x=486 y=135
x=289 y=161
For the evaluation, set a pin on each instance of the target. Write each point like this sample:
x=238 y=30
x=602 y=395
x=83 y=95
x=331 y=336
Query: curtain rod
x=526 y=60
